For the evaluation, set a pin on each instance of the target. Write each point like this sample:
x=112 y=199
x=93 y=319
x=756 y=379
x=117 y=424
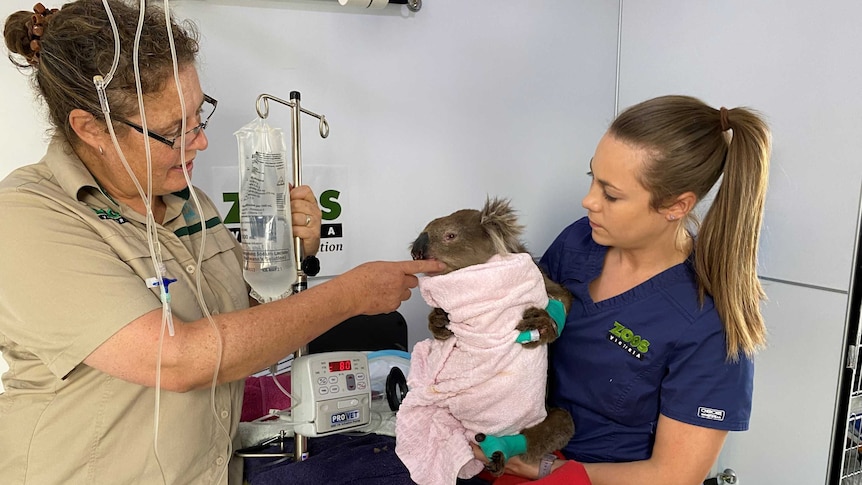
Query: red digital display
x=339 y=365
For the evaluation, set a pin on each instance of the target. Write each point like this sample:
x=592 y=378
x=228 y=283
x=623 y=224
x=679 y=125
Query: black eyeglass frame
x=170 y=142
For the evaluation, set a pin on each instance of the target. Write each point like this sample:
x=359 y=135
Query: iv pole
x=300 y=452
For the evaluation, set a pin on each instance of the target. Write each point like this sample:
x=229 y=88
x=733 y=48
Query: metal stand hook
x=263 y=99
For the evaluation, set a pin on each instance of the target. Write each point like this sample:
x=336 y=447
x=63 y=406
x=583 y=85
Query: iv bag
x=269 y=261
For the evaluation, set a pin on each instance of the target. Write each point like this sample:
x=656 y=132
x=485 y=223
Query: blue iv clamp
x=164 y=283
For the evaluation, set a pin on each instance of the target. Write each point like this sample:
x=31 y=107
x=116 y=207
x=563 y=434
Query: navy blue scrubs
x=651 y=350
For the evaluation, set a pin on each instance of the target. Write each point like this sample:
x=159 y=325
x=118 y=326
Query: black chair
x=364 y=332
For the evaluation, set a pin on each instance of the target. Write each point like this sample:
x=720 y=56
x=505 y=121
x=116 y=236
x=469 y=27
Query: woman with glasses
x=95 y=392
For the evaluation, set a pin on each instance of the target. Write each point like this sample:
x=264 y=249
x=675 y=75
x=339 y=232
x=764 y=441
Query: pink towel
x=477 y=381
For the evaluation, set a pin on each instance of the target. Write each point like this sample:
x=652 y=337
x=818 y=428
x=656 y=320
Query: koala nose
x=420 y=246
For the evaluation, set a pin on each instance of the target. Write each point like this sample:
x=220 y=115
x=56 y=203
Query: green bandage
x=510 y=446
x=528 y=336
x=558 y=312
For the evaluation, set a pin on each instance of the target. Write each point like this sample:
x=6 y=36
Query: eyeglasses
x=207 y=109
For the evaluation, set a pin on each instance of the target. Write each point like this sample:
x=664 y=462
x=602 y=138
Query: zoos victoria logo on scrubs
x=635 y=345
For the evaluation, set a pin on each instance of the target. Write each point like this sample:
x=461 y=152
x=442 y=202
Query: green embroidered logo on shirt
x=110 y=214
x=628 y=341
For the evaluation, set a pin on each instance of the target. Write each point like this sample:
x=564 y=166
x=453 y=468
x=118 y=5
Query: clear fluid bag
x=266 y=231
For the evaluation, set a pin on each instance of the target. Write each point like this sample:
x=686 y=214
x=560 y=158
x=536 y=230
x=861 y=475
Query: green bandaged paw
x=510 y=446
x=558 y=312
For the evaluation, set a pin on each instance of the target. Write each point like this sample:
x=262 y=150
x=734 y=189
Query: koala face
x=457 y=240
x=467 y=237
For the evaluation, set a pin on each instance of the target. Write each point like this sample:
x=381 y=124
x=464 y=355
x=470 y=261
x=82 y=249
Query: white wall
x=797 y=62
x=23 y=126
x=429 y=112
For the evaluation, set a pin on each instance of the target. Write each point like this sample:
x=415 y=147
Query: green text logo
x=628 y=340
x=330 y=207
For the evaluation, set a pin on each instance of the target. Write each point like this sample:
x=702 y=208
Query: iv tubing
x=101 y=84
x=101 y=87
x=152 y=238
x=199 y=209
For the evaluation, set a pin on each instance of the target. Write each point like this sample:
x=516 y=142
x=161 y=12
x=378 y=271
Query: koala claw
x=437 y=324
x=538 y=319
x=496 y=464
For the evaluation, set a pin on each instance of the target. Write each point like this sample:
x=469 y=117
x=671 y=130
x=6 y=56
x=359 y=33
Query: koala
x=472 y=237
x=467 y=237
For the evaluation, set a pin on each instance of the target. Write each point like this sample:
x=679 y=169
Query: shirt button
x=219 y=461
x=190 y=269
x=224 y=414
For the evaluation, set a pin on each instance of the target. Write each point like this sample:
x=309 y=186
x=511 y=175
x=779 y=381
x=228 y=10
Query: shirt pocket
x=221 y=269
x=635 y=400
x=138 y=255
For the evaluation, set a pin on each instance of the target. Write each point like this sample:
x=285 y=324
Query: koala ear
x=500 y=221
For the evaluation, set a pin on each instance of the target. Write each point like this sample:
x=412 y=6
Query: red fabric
x=261 y=394
x=572 y=473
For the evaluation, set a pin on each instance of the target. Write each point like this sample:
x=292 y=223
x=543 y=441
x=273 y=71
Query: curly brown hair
x=77 y=43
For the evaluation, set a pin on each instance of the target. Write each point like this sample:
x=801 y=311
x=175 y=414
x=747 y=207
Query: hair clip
x=36 y=26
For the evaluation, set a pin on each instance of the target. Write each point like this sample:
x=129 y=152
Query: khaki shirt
x=73 y=268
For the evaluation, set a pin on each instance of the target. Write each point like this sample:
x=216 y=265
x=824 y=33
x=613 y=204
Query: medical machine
x=332 y=393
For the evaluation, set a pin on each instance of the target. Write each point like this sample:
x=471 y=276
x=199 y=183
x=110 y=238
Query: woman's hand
x=306 y=218
x=381 y=286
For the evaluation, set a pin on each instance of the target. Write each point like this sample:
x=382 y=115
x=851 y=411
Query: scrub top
x=74 y=267
x=654 y=349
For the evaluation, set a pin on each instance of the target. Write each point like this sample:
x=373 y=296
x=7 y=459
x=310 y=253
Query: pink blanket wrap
x=477 y=381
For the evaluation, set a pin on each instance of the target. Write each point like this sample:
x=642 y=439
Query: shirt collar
x=71 y=173
x=77 y=181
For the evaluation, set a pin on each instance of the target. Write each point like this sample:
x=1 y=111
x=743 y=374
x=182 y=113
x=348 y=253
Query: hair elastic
x=725 y=124
x=36 y=27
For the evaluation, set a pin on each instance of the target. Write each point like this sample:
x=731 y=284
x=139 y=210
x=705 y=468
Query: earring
x=671 y=217
x=101 y=152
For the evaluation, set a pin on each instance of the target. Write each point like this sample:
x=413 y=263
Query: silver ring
x=307 y=220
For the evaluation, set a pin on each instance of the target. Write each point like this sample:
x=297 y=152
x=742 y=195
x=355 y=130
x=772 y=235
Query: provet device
x=333 y=390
